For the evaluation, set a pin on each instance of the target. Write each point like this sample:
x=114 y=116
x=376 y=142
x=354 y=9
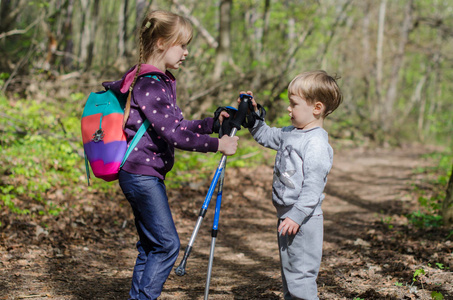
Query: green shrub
x=430 y=213
x=39 y=154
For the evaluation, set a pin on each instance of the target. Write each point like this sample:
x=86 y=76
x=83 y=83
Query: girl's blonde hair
x=158 y=26
x=316 y=86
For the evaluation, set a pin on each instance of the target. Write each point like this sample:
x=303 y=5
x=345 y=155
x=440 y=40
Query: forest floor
x=370 y=249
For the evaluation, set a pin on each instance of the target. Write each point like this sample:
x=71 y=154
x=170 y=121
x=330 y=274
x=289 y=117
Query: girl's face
x=301 y=112
x=175 y=56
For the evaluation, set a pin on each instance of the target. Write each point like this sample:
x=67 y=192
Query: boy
x=304 y=158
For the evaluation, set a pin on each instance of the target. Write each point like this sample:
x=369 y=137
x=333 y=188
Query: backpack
x=104 y=140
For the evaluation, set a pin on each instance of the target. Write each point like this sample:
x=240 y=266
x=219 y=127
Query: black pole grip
x=242 y=111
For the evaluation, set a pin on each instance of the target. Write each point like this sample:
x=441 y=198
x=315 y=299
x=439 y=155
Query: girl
x=164 y=37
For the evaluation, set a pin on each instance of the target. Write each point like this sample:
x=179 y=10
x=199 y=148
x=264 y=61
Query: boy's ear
x=318 y=108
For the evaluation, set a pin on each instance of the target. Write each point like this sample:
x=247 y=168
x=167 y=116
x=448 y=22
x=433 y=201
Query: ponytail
x=127 y=108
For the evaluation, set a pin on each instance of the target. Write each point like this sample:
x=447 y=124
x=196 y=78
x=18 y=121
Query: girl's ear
x=318 y=108
x=160 y=44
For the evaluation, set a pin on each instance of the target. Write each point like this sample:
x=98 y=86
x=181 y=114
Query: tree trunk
x=92 y=36
x=366 y=65
x=9 y=11
x=266 y=22
x=392 y=91
x=379 y=59
x=447 y=207
x=84 y=30
x=122 y=28
x=342 y=14
x=68 y=37
x=223 y=49
x=261 y=33
x=141 y=8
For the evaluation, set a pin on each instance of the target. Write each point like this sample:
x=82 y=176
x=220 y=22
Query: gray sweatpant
x=300 y=258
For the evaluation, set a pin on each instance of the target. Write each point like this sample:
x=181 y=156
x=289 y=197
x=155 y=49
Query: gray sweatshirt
x=303 y=160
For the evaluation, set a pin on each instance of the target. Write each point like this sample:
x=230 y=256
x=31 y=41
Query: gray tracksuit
x=303 y=160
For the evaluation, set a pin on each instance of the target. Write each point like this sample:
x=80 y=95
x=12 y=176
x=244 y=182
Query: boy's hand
x=288 y=226
x=253 y=99
x=223 y=115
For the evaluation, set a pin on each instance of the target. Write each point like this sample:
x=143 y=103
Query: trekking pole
x=236 y=123
x=214 y=232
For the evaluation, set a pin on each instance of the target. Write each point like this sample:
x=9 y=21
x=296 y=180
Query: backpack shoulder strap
x=140 y=132
x=87 y=168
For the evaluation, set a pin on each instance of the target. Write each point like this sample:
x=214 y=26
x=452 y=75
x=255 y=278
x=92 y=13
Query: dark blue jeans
x=158 y=245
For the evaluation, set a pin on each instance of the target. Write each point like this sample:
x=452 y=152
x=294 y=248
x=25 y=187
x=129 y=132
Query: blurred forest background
x=394 y=60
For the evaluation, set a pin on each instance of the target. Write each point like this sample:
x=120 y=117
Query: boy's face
x=301 y=112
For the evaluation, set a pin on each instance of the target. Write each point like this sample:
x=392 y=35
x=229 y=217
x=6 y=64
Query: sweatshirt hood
x=123 y=85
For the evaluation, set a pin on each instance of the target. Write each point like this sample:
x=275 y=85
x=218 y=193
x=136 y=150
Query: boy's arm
x=261 y=132
x=317 y=162
x=266 y=136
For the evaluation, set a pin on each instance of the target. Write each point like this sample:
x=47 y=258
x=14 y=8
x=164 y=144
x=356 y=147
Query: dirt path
x=369 y=251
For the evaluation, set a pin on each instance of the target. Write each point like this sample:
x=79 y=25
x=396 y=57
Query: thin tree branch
x=203 y=31
x=19 y=31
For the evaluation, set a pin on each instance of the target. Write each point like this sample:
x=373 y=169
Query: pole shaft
x=208 y=277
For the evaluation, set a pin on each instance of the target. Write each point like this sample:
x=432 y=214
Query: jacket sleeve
x=265 y=135
x=159 y=106
x=203 y=126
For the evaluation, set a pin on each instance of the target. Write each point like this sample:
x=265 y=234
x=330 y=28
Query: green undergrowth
x=39 y=155
x=433 y=192
x=42 y=170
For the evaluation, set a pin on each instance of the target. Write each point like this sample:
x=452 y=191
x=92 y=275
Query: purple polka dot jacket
x=154 y=98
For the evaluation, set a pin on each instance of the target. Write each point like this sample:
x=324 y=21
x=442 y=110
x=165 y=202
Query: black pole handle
x=242 y=111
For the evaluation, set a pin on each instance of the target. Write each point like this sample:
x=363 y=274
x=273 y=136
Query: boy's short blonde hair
x=316 y=86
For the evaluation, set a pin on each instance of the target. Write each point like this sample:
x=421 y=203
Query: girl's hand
x=288 y=226
x=228 y=145
x=253 y=99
